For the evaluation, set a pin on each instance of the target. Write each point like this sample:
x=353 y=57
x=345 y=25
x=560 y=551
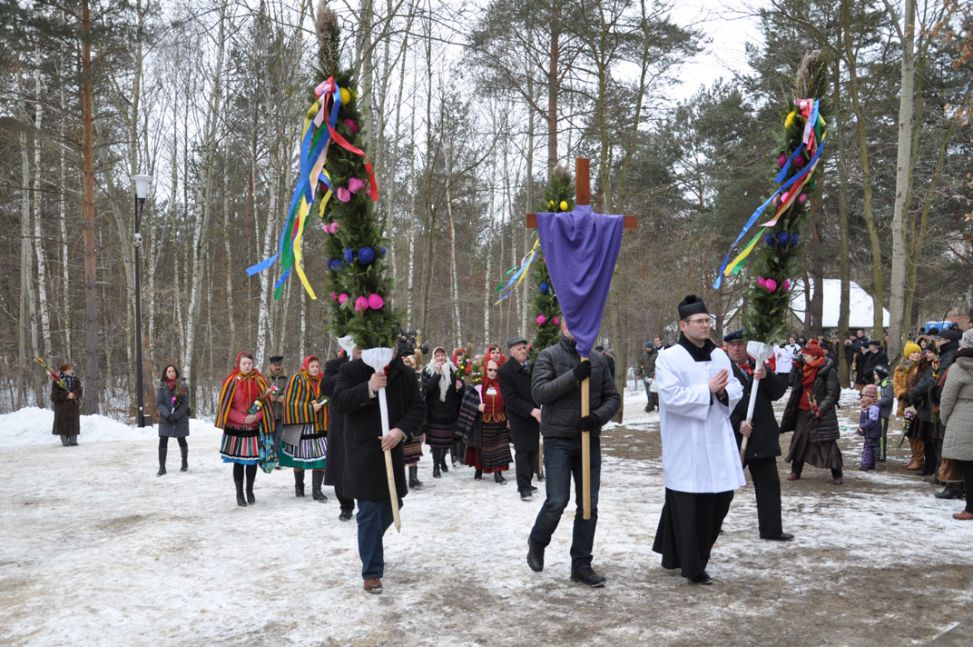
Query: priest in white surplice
x=700 y=460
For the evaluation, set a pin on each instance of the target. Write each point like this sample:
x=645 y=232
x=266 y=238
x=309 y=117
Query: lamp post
x=142 y=184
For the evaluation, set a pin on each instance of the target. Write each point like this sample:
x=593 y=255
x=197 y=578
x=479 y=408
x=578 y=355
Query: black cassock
x=688 y=528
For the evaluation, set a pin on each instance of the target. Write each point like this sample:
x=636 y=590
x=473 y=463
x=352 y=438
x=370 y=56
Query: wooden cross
x=582 y=196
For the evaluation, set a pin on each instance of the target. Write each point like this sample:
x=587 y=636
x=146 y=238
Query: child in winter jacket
x=886 y=398
x=869 y=426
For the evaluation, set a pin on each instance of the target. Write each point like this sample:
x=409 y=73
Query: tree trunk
x=91 y=373
x=903 y=180
x=844 y=262
x=552 y=90
x=63 y=225
x=454 y=276
x=45 y=311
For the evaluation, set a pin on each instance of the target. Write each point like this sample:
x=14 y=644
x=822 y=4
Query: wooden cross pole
x=582 y=196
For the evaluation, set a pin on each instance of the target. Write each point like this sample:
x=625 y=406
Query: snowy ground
x=94 y=549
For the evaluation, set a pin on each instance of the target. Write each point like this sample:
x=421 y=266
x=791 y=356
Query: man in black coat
x=555 y=385
x=874 y=356
x=334 y=468
x=522 y=412
x=356 y=398
x=763 y=448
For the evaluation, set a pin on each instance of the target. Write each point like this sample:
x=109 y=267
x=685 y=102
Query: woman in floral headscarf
x=305 y=418
x=248 y=434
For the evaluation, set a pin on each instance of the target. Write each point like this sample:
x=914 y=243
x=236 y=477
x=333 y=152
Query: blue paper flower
x=366 y=255
x=383 y=251
x=335 y=265
x=544 y=288
x=783 y=238
x=793 y=240
x=349 y=255
x=769 y=239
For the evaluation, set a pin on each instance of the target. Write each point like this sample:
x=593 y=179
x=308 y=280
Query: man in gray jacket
x=555 y=386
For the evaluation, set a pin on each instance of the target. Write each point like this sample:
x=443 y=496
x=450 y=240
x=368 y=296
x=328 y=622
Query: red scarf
x=807 y=381
x=171 y=384
x=313 y=380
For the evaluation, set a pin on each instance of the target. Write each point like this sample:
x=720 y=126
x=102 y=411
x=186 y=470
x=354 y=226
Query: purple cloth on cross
x=580 y=249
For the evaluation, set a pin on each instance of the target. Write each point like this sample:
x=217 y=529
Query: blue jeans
x=562 y=460
x=374 y=518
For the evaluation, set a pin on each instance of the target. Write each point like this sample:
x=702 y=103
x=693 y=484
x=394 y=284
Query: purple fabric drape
x=580 y=249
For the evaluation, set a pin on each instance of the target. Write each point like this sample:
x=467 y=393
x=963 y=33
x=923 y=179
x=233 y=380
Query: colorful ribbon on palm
x=804 y=158
x=515 y=275
x=319 y=131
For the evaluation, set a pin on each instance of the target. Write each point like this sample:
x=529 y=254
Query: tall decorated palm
x=359 y=281
x=558 y=198
x=776 y=243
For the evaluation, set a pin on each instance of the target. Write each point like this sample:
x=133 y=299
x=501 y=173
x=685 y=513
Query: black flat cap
x=513 y=341
x=276 y=359
x=735 y=335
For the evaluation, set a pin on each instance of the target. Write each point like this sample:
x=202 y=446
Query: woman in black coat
x=67 y=406
x=172 y=399
x=811 y=414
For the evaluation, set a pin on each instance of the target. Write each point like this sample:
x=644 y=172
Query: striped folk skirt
x=240 y=446
x=494 y=453
x=310 y=453
x=412 y=450
x=441 y=435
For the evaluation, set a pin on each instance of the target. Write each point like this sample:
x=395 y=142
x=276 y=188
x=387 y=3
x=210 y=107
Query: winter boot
x=240 y=499
x=478 y=475
x=918 y=454
x=317 y=477
x=184 y=450
x=163 y=450
x=251 y=475
x=435 y=471
x=414 y=481
x=498 y=477
x=299 y=482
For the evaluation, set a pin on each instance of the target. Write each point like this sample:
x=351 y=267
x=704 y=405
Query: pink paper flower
x=555 y=321
x=771 y=285
x=361 y=304
x=802 y=198
x=343 y=194
x=355 y=184
x=333 y=296
x=541 y=320
x=352 y=126
x=786 y=285
x=761 y=281
x=781 y=160
x=799 y=161
x=375 y=301
x=776 y=200
x=342 y=298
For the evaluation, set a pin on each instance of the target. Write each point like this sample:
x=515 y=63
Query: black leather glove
x=588 y=423
x=582 y=371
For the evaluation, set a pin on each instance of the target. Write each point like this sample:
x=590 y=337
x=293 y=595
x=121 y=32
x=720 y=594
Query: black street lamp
x=142 y=184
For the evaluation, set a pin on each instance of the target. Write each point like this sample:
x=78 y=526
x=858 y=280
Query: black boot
x=535 y=556
x=435 y=471
x=317 y=477
x=498 y=477
x=163 y=450
x=414 y=481
x=298 y=482
x=184 y=451
x=251 y=475
x=240 y=499
x=478 y=475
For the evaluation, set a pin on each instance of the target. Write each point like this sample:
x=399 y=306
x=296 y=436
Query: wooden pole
x=383 y=407
x=585 y=450
x=582 y=180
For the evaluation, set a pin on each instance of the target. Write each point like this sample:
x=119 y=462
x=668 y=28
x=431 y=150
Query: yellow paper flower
x=564 y=205
x=345 y=96
x=550 y=204
x=790 y=119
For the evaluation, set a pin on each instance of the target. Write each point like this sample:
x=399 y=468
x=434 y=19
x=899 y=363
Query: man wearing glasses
x=700 y=461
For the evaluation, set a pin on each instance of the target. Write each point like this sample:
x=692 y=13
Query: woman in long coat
x=172 y=400
x=67 y=406
x=442 y=390
x=244 y=413
x=304 y=444
x=956 y=413
x=903 y=380
x=810 y=414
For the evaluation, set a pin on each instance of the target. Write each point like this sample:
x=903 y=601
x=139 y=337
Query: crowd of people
x=326 y=419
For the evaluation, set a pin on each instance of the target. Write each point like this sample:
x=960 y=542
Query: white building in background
x=860 y=311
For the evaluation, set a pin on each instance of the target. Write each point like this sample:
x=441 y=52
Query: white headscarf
x=444 y=376
x=967 y=340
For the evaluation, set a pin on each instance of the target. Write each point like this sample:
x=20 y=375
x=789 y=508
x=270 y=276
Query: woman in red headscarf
x=248 y=435
x=493 y=455
x=810 y=414
x=304 y=444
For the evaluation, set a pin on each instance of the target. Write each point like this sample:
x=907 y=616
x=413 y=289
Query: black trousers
x=688 y=528
x=967 y=468
x=524 y=462
x=766 y=487
x=347 y=503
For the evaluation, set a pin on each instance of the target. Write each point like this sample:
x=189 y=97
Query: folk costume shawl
x=303 y=390
x=445 y=381
x=256 y=388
